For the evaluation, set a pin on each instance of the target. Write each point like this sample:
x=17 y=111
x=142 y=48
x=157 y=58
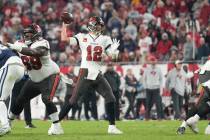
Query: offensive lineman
x=11 y=71
x=93 y=45
x=43 y=73
x=202 y=108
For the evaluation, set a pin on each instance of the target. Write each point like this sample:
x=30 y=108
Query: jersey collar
x=94 y=37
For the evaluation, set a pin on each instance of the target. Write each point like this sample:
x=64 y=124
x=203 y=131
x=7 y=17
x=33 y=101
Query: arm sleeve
x=75 y=39
x=108 y=42
x=43 y=44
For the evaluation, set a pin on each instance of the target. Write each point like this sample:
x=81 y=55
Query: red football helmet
x=95 y=24
x=31 y=33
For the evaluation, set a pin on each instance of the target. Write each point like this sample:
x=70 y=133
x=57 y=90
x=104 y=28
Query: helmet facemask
x=28 y=38
x=96 y=25
x=31 y=34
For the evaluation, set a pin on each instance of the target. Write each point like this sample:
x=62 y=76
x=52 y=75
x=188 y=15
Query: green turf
x=96 y=130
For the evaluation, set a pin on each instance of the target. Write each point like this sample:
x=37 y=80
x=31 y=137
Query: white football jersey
x=11 y=60
x=205 y=67
x=40 y=68
x=92 y=48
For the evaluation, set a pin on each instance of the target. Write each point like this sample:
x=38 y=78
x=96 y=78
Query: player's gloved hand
x=113 y=51
x=115 y=44
x=17 y=46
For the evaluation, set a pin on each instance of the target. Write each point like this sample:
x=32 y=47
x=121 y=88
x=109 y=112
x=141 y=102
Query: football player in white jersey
x=43 y=72
x=93 y=46
x=202 y=107
x=11 y=71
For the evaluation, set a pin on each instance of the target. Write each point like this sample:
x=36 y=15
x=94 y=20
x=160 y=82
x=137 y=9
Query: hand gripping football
x=66 y=17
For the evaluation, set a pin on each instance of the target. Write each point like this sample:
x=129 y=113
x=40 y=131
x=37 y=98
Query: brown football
x=67 y=17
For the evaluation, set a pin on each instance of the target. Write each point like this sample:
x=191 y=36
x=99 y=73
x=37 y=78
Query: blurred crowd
x=168 y=29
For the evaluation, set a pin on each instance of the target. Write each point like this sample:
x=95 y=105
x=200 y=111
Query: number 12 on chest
x=94 y=53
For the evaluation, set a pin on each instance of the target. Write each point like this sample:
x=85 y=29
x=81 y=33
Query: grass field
x=96 y=130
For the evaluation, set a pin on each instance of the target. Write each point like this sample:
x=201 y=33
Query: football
x=66 y=17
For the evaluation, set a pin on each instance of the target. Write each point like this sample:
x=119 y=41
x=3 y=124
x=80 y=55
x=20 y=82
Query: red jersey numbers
x=94 y=54
x=31 y=62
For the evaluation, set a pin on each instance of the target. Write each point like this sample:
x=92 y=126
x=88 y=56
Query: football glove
x=115 y=44
x=113 y=51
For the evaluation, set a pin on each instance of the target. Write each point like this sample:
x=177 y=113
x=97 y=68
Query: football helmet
x=95 y=24
x=31 y=33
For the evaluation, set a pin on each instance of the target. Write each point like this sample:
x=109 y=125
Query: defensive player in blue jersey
x=11 y=71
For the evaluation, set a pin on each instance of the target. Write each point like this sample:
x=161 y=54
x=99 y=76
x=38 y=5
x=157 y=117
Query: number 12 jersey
x=92 y=49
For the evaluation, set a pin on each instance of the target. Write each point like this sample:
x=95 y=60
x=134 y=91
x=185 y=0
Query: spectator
x=188 y=90
x=144 y=44
x=114 y=80
x=152 y=80
x=90 y=104
x=176 y=83
x=130 y=92
x=114 y=22
x=205 y=12
x=62 y=59
x=163 y=47
x=203 y=49
x=131 y=29
x=140 y=97
x=189 y=49
x=128 y=43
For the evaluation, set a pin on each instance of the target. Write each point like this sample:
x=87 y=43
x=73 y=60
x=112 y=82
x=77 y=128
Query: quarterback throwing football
x=93 y=46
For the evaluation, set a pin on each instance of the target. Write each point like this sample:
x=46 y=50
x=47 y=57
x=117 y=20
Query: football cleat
x=4 y=130
x=181 y=130
x=192 y=123
x=207 y=130
x=30 y=126
x=112 y=129
x=55 y=129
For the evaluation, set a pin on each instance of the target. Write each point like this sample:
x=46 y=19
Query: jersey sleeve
x=108 y=42
x=18 y=42
x=42 y=43
x=73 y=41
x=78 y=37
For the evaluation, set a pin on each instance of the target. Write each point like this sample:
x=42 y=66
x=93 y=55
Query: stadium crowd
x=166 y=29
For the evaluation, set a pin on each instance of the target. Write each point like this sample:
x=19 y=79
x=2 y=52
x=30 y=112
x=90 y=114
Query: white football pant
x=9 y=75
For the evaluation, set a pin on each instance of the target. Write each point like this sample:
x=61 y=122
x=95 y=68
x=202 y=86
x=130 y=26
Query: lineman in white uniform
x=93 y=46
x=11 y=71
x=43 y=72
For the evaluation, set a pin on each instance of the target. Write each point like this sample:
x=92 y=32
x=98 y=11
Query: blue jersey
x=5 y=54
